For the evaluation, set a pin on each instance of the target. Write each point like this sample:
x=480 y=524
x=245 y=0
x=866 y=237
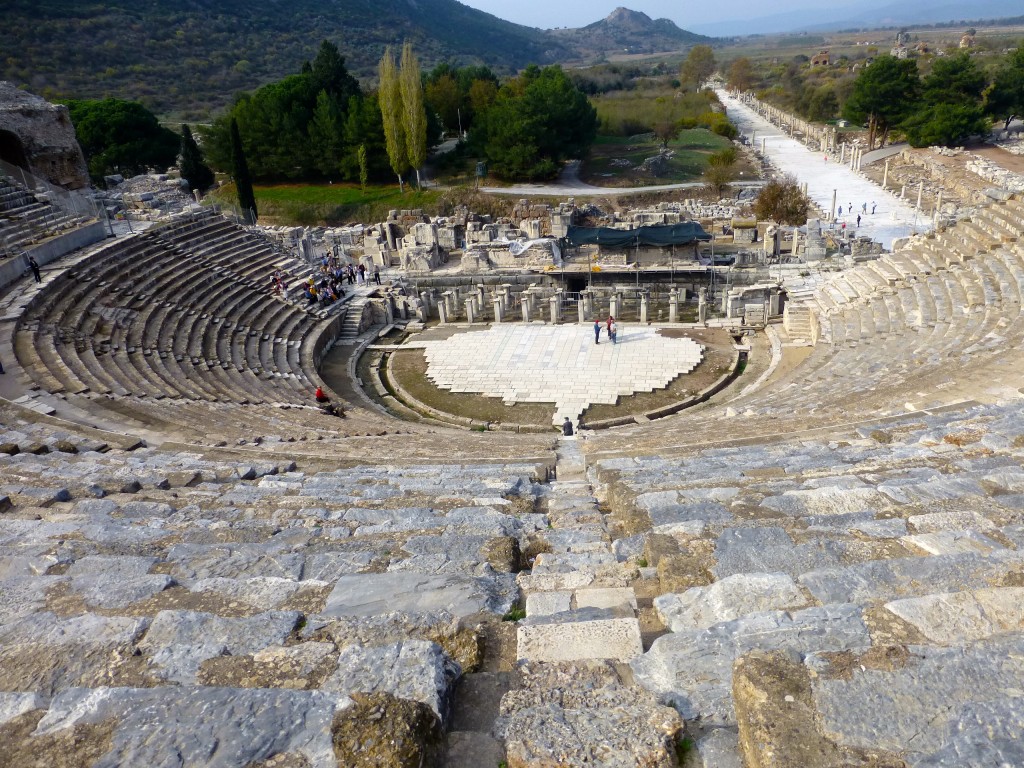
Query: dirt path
x=1002 y=158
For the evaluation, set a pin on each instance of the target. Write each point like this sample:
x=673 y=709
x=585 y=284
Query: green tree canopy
x=122 y=137
x=698 y=67
x=1005 y=99
x=297 y=127
x=782 y=201
x=951 y=107
x=537 y=120
x=884 y=94
x=741 y=74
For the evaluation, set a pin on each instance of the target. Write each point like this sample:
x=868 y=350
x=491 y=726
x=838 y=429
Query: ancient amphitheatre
x=812 y=557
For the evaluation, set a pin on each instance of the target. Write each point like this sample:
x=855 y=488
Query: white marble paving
x=527 y=363
x=893 y=217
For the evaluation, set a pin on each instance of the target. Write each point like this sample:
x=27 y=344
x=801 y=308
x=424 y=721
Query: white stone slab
x=606 y=597
x=616 y=639
x=546 y=603
x=952 y=542
x=956 y=618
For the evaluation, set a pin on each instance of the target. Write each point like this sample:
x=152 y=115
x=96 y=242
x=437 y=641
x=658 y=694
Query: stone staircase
x=580 y=623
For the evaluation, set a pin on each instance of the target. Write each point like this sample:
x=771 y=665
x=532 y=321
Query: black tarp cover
x=659 y=235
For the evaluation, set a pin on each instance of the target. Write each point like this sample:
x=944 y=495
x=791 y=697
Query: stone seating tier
x=173 y=318
x=900 y=543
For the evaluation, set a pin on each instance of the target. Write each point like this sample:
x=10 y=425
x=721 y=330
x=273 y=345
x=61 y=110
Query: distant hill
x=863 y=14
x=191 y=56
x=188 y=58
x=626 y=31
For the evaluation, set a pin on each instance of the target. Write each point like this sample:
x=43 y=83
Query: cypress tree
x=190 y=162
x=243 y=181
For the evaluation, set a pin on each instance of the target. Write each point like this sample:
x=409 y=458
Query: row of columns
x=530 y=306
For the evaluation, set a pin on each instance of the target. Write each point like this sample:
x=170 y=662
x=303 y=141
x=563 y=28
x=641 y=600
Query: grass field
x=330 y=204
x=607 y=164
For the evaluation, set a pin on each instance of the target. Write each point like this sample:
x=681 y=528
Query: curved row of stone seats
x=850 y=598
x=156 y=603
x=895 y=330
x=25 y=219
x=147 y=317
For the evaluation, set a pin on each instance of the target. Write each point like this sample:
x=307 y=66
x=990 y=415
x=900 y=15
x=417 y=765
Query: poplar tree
x=240 y=171
x=389 y=95
x=414 y=114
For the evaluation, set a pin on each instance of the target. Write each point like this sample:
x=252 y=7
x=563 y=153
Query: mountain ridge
x=189 y=57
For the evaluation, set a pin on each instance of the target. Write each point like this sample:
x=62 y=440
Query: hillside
x=189 y=57
x=626 y=31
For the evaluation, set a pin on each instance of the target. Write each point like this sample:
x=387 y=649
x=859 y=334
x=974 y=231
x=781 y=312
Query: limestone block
x=952 y=542
x=14 y=704
x=547 y=603
x=914 y=701
x=412 y=669
x=614 y=598
x=692 y=670
x=943 y=521
x=617 y=639
x=910 y=576
x=168 y=727
x=370 y=594
x=731 y=598
x=178 y=642
x=261 y=592
x=955 y=618
x=546 y=582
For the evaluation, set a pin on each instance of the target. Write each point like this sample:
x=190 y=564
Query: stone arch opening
x=12 y=150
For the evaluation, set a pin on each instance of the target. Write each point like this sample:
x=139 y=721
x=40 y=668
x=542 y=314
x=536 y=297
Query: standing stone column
x=525 y=300
x=702 y=305
x=885 y=175
x=613 y=305
x=423 y=312
x=442 y=309
x=506 y=296
x=553 y=303
x=588 y=303
x=643 y=309
x=499 y=310
x=425 y=302
x=673 y=305
x=449 y=300
x=581 y=310
x=471 y=309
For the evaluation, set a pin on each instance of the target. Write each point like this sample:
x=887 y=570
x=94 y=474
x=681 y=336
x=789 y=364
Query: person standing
x=858 y=220
x=872 y=207
x=840 y=210
x=34 y=266
x=376 y=274
x=597 y=331
x=613 y=331
x=608 y=325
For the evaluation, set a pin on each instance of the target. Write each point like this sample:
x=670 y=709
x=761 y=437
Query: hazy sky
x=578 y=13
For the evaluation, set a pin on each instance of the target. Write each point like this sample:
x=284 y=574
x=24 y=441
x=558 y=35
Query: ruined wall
x=46 y=137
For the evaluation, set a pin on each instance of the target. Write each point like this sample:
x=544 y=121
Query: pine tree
x=414 y=114
x=243 y=181
x=190 y=162
x=390 y=97
x=364 y=168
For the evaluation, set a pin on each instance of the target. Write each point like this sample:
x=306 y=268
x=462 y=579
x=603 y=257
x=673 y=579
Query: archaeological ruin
x=257 y=509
